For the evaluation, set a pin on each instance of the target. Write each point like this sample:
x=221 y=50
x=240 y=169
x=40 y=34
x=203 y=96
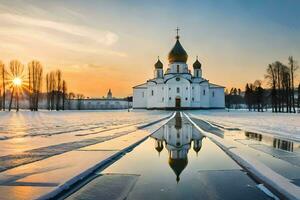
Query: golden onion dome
x=197 y=145
x=178 y=165
x=158 y=64
x=177 y=54
x=159 y=146
x=197 y=64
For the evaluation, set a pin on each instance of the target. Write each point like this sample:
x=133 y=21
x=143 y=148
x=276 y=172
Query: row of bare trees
x=281 y=94
x=11 y=79
x=56 y=91
x=16 y=84
x=35 y=76
x=281 y=80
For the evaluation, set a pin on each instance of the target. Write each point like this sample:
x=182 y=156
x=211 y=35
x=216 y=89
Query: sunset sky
x=114 y=43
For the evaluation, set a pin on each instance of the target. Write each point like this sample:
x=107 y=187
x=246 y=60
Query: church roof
x=141 y=86
x=212 y=85
x=165 y=81
x=177 y=53
x=158 y=64
x=197 y=64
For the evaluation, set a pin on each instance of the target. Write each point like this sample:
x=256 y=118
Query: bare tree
x=3 y=78
x=281 y=80
x=64 y=94
x=16 y=70
x=271 y=77
x=293 y=68
x=48 y=91
x=52 y=89
x=58 y=89
x=71 y=96
x=35 y=74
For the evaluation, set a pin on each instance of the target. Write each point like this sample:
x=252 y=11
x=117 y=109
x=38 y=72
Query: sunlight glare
x=17 y=81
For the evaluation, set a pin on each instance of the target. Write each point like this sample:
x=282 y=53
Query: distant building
x=108 y=103
x=109 y=94
x=177 y=87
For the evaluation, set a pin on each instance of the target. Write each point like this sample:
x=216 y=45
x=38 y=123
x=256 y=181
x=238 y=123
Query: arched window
x=213 y=93
x=178 y=90
x=204 y=92
x=177 y=68
x=152 y=92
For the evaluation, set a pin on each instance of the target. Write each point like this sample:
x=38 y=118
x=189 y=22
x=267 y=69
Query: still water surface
x=178 y=162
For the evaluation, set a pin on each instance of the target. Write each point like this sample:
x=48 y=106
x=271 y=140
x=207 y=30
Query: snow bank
x=281 y=124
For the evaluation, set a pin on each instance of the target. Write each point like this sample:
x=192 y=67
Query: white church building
x=178 y=88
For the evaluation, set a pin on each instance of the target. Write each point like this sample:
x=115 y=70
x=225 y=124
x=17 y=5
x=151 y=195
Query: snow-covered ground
x=281 y=124
x=25 y=130
x=45 y=123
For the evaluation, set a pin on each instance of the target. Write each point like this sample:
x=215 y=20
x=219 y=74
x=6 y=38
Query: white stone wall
x=217 y=97
x=98 y=104
x=204 y=95
x=184 y=92
x=195 y=93
x=140 y=98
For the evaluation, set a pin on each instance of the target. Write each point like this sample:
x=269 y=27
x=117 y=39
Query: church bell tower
x=197 y=69
x=158 y=72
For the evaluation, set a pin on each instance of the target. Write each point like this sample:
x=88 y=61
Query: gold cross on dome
x=177 y=32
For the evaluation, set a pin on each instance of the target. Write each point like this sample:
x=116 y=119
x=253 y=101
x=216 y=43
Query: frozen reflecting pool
x=176 y=162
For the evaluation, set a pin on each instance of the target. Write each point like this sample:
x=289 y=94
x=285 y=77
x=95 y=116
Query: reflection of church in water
x=178 y=136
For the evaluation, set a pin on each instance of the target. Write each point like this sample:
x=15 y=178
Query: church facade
x=177 y=87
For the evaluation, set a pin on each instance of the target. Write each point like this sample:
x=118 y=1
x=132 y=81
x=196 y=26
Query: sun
x=17 y=82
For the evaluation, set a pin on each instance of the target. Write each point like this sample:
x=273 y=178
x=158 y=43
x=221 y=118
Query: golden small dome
x=177 y=54
x=158 y=64
x=197 y=64
x=159 y=146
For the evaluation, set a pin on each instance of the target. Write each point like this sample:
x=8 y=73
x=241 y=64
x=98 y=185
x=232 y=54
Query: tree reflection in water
x=271 y=141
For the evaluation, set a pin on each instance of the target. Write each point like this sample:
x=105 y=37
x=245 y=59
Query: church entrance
x=177 y=102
